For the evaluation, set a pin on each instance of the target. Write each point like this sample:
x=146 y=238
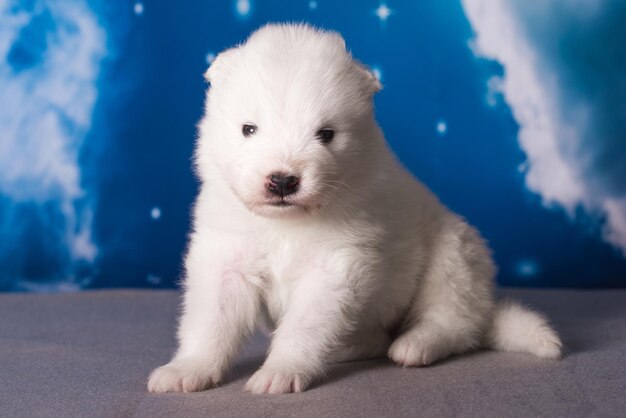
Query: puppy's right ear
x=220 y=65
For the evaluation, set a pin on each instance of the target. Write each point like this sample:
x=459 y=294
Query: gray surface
x=89 y=354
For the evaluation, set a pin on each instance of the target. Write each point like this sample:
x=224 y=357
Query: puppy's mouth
x=281 y=204
x=281 y=207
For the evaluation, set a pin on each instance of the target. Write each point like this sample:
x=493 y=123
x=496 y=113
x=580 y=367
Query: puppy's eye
x=248 y=130
x=326 y=135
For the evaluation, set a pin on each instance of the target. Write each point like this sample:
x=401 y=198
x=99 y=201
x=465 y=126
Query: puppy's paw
x=416 y=350
x=276 y=381
x=182 y=376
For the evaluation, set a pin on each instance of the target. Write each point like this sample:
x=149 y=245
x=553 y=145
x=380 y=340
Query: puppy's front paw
x=415 y=350
x=276 y=381
x=182 y=376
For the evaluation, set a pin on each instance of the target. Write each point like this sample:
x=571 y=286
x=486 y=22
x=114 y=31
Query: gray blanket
x=89 y=354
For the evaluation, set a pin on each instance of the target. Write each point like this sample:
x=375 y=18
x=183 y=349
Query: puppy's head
x=289 y=120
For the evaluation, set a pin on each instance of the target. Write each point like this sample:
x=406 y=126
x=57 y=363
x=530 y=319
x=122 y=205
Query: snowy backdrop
x=514 y=112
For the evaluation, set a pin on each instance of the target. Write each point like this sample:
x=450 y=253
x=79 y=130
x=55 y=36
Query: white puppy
x=307 y=222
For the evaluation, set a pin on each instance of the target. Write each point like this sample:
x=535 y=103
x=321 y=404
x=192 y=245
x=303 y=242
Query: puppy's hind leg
x=451 y=310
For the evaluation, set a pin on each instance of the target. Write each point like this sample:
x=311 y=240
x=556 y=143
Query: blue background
x=122 y=218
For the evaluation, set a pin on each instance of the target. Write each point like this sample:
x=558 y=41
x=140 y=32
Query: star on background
x=383 y=12
x=155 y=213
x=243 y=7
x=527 y=268
x=442 y=127
x=378 y=73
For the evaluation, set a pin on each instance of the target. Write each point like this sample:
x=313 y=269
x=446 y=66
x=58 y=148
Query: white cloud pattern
x=558 y=129
x=50 y=56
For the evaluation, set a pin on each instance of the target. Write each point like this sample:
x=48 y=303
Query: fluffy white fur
x=361 y=261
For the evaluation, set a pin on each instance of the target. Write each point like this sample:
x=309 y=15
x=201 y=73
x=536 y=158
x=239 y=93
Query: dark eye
x=248 y=130
x=326 y=135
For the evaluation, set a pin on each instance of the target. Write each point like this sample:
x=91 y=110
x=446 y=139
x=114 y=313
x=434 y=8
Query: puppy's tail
x=516 y=328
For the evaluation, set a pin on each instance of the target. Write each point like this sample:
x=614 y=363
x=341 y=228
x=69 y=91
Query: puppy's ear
x=369 y=80
x=220 y=65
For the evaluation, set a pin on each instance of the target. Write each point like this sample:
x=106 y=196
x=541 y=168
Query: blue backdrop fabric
x=513 y=113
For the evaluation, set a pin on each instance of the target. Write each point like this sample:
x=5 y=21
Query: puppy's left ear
x=220 y=65
x=371 y=83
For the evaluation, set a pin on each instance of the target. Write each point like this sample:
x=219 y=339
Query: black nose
x=282 y=185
